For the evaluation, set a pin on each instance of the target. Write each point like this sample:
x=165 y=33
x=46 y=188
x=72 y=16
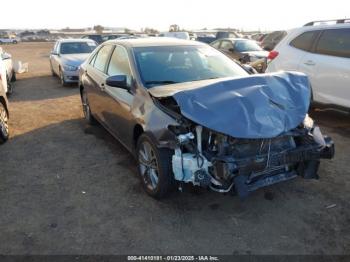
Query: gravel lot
x=68 y=188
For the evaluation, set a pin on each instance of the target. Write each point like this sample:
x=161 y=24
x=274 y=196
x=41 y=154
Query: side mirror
x=53 y=53
x=119 y=81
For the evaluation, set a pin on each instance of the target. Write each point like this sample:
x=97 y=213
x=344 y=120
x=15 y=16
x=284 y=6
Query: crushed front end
x=244 y=133
x=210 y=159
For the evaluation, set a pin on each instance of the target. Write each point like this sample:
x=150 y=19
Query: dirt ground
x=68 y=188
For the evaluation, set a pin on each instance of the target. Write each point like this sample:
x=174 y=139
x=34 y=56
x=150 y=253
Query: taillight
x=272 y=55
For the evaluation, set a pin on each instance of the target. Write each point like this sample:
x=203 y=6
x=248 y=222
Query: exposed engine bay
x=209 y=159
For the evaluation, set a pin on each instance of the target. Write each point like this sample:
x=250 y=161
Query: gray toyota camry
x=189 y=114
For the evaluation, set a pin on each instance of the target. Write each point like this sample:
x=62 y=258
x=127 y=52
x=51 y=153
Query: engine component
x=223 y=170
x=185 y=138
x=202 y=178
x=199 y=138
x=185 y=165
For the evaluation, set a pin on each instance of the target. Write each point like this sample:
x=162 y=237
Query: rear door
x=293 y=53
x=95 y=80
x=330 y=66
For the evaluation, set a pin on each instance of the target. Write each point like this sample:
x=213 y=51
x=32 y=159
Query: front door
x=118 y=102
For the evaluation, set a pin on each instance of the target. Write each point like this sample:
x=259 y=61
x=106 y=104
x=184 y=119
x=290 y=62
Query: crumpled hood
x=256 y=106
x=74 y=59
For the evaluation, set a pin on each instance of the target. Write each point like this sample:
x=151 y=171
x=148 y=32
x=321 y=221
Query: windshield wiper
x=160 y=82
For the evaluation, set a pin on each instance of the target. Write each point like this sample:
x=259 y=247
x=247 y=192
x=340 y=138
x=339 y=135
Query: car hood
x=74 y=59
x=259 y=54
x=257 y=106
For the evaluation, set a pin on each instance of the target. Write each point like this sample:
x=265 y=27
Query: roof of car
x=320 y=27
x=155 y=41
x=235 y=39
x=72 y=40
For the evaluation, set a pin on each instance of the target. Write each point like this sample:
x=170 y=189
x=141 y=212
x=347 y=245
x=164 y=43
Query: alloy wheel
x=148 y=165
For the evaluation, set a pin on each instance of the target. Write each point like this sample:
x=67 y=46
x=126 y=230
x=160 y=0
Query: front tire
x=154 y=167
x=52 y=71
x=4 y=128
x=63 y=82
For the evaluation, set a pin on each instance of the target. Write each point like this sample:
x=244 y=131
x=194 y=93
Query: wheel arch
x=137 y=132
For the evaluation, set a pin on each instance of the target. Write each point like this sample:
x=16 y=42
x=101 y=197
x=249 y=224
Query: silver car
x=66 y=57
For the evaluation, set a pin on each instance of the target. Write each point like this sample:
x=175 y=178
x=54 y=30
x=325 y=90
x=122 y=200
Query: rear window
x=304 y=41
x=102 y=57
x=335 y=42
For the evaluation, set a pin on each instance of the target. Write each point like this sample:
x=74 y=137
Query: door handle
x=309 y=63
x=102 y=87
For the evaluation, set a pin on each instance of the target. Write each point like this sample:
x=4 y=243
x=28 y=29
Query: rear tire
x=4 y=128
x=154 y=167
x=86 y=109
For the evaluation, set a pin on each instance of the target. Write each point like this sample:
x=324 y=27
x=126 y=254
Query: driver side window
x=119 y=64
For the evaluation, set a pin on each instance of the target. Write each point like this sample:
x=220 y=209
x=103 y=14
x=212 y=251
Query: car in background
x=96 y=37
x=66 y=57
x=243 y=50
x=272 y=39
x=112 y=37
x=259 y=37
x=218 y=35
x=179 y=35
x=190 y=114
x=8 y=40
x=4 y=115
x=7 y=71
x=321 y=50
x=131 y=37
x=227 y=34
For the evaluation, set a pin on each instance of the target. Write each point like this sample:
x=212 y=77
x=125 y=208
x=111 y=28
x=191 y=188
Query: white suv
x=321 y=51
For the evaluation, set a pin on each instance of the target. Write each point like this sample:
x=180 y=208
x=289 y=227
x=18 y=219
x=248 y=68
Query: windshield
x=246 y=46
x=77 y=48
x=177 y=64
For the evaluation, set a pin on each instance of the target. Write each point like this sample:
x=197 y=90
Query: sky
x=159 y=14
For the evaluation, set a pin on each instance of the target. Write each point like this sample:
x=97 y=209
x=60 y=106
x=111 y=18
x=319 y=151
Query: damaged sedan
x=189 y=114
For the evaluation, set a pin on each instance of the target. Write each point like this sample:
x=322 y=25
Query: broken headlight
x=308 y=122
